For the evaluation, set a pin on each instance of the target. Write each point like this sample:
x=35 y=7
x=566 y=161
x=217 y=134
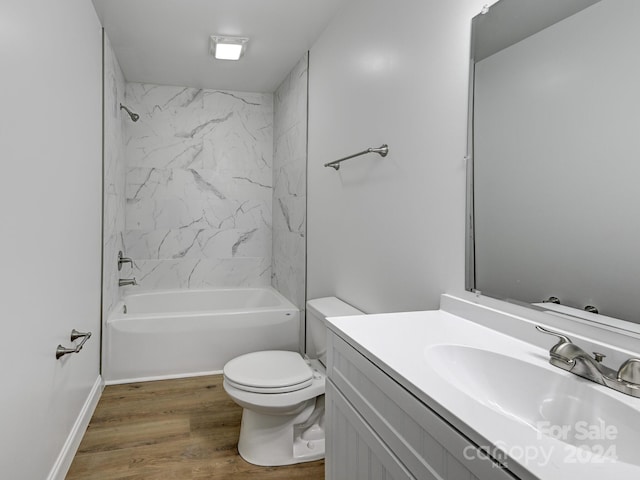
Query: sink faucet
x=127 y=281
x=572 y=358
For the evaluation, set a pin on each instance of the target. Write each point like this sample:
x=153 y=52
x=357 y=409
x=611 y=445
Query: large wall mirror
x=555 y=139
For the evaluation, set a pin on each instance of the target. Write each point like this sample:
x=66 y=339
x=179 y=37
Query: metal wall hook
x=382 y=150
x=75 y=334
x=62 y=351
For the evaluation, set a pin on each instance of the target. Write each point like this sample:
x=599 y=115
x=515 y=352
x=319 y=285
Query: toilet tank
x=317 y=311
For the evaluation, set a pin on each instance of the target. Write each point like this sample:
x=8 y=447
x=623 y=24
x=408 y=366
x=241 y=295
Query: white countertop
x=401 y=344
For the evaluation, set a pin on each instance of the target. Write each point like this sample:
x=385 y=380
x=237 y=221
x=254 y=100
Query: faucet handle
x=563 y=353
x=562 y=339
x=122 y=260
x=630 y=371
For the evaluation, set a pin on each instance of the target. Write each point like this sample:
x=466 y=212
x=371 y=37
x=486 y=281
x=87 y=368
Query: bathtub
x=178 y=333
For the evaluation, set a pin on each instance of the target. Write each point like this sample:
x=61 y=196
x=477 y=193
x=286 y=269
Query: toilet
x=282 y=394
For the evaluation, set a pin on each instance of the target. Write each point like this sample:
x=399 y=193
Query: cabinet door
x=428 y=446
x=354 y=451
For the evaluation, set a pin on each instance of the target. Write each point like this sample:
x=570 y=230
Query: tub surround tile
x=179 y=153
x=162 y=97
x=291 y=144
x=199 y=187
x=290 y=214
x=291 y=97
x=290 y=179
x=212 y=129
x=114 y=171
x=289 y=256
x=201 y=273
x=163 y=244
x=180 y=198
x=216 y=186
x=289 y=185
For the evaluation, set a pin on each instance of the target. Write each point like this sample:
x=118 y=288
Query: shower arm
x=134 y=116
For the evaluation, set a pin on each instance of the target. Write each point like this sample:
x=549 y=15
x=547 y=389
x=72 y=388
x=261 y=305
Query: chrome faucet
x=572 y=358
x=122 y=260
x=127 y=281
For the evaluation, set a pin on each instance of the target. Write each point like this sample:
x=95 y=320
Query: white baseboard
x=70 y=447
x=121 y=381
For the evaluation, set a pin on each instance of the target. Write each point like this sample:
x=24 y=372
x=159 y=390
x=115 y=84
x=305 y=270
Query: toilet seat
x=276 y=404
x=272 y=371
x=273 y=390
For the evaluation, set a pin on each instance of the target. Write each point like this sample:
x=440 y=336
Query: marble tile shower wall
x=290 y=189
x=114 y=178
x=199 y=187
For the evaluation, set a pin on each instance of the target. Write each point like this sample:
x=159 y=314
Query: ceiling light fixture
x=228 y=48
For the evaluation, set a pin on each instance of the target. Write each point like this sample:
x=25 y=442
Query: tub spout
x=127 y=281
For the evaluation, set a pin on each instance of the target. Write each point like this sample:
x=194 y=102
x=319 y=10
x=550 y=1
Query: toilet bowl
x=282 y=394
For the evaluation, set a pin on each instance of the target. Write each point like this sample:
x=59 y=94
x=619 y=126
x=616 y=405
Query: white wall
x=556 y=163
x=388 y=234
x=50 y=206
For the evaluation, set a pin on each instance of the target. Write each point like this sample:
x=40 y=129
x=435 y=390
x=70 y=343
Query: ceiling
x=166 y=42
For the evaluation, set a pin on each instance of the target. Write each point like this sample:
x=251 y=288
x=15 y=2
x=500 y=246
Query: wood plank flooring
x=171 y=429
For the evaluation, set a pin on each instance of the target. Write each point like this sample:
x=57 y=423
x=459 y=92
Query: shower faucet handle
x=122 y=259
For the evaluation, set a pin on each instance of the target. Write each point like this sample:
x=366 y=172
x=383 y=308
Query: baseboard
x=162 y=377
x=70 y=447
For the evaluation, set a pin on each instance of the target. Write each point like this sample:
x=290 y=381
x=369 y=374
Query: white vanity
x=467 y=392
x=433 y=395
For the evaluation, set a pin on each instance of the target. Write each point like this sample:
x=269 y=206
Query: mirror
x=554 y=195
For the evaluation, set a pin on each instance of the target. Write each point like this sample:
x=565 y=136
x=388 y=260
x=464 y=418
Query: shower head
x=134 y=116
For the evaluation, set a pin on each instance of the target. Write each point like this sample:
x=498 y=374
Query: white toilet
x=282 y=394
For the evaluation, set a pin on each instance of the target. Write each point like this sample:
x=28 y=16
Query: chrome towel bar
x=75 y=334
x=383 y=150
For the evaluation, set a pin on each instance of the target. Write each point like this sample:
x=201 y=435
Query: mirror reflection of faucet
x=572 y=358
x=123 y=282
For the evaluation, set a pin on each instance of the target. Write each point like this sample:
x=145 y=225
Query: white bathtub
x=176 y=333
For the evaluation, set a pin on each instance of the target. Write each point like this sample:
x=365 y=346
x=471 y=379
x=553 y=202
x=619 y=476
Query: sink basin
x=552 y=402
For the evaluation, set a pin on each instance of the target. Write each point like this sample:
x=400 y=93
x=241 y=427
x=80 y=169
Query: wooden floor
x=171 y=429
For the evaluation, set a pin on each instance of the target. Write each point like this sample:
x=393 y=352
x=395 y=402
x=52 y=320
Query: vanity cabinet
x=376 y=429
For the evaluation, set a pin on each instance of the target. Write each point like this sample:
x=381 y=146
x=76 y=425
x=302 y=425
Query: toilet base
x=272 y=440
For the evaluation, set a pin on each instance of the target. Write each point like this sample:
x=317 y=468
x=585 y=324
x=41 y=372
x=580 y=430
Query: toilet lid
x=269 y=370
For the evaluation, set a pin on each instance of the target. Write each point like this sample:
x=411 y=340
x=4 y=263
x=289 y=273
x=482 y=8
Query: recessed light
x=227 y=48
